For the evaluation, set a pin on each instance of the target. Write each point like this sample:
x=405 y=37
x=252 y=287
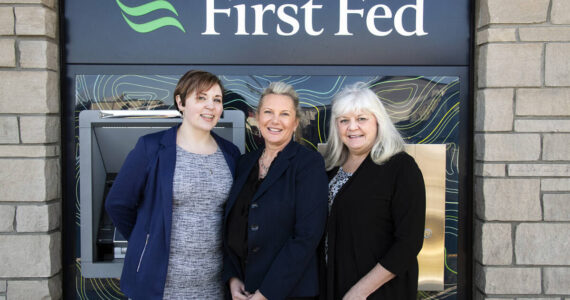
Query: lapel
x=278 y=167
x=167 y=163
x=246 y=164
x=362 y=168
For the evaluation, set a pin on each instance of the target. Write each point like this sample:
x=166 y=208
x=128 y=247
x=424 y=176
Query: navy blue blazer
x=140 y=205
x=286 y=221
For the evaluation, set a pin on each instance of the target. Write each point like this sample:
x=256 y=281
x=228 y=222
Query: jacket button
x=255 y=249
x=254 y=205
x=254 y=227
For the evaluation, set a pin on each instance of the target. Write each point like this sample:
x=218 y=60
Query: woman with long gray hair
x=376 y=203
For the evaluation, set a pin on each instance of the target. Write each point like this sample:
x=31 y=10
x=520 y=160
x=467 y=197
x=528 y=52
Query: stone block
x=560 y=12
x=48 y=3
x=543 y=102
x=493 y=35
x=28 y=150
x=507 y=147
x=556 y=146
x=557 y=281
x=36 y=20
x=544 y=34
x=479 y=296
x=556 y=207
x=484 y=169
x=542 y=125
x=494 y=110
x=512 y=11
x=555 y=184
x=508 y=280
x=39 y=129
x=38 y=218
x=29 y=179
x=501 y=199
x=6 y=20
x=29 y=92
x=7 y=53
x=30 y=255
x=546 y=170
x=510 y=65
x=7 y=213
x=36 y=289
x=542 y=244
x=9 y=130
x=557 y=65
x=38 y=54
x=493 y=243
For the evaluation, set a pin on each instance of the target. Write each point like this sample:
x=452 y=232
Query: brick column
x=30 y=192
x=522 y=150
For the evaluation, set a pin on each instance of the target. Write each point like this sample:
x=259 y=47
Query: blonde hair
x=281 y=88
x=359 y=98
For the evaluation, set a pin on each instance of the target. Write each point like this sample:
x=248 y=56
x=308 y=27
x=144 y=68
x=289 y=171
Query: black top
x=378 y=216
x=237 y=219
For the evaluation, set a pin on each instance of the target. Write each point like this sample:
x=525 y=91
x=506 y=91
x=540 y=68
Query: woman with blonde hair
x=276 y=213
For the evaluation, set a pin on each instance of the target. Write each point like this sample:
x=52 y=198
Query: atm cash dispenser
x=105 y=139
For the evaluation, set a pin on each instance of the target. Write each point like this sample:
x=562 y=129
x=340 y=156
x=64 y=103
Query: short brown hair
x=195 y=80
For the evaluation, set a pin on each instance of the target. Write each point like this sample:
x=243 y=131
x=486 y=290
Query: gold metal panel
x=431 y=161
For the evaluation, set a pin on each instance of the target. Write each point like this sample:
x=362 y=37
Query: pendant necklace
x=264 y=168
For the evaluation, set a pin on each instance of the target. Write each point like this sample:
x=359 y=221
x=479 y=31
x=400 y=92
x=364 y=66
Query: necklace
x=264 y=168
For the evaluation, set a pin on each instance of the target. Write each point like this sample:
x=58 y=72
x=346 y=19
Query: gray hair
x=281 y=88
x=359 y=98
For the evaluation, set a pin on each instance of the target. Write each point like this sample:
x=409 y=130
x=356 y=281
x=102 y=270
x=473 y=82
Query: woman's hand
x=237 y=290
x=257 y=296
x=373 y=280
x=355 y=294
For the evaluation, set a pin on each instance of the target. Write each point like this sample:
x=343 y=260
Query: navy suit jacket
x=140 y=205
x=286 y=221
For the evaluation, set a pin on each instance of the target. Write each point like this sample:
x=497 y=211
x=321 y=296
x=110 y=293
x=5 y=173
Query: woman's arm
x=408 y=209
x=127 y=190
x=374 y=279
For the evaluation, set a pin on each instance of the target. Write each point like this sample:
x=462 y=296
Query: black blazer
x=378 y=216
x=286 y=221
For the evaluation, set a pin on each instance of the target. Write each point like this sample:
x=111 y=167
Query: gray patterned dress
x=200 y=189
x=335 y=185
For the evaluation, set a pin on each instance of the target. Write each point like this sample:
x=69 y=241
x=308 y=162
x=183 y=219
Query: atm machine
x=105 y=139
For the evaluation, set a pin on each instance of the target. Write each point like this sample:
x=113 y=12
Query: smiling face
x=202 y=109
x=277 y=120
x=358 y=131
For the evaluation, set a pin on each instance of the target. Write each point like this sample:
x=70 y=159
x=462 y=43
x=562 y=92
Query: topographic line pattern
x=424 y=109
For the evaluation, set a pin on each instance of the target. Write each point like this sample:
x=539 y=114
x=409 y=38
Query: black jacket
x=378 y=216
x=287 y=218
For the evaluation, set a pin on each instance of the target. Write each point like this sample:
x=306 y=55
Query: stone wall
x=522 y=150
x=30 y=192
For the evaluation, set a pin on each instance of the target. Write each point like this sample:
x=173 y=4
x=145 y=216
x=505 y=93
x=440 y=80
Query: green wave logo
x=148 y=8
